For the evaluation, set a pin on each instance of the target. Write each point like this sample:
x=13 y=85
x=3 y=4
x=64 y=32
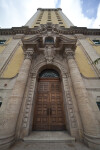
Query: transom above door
x=49 y=112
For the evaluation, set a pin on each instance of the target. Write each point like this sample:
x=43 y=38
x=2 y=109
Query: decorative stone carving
x=43 y=28
x=19 y=36
x=29 y=102
x=70 y=109
x=80 y=36
x=69 y=53
x=29 y=53
x=49 y=54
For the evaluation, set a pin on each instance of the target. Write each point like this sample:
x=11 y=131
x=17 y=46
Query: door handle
x=49 y=111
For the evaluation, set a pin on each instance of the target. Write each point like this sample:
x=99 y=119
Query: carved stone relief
x=29 y=53
x=29 y=102
x=49 y=54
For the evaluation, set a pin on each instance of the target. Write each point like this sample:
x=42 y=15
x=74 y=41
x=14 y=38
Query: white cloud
x=96 y=23
x=73 y=10
x=17 y=13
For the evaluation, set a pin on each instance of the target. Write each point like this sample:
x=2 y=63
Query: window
x=97 y=42
x=49 y=73
x=2 y=42
x=62 y=26
x=35 y=26
x=98 y=104
x=49 y=40
x=60 y=22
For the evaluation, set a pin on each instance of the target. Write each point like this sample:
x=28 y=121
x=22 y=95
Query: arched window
x=49 y=73
x=49 y=40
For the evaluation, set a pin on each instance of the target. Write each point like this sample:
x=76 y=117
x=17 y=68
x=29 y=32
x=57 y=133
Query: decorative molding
x=79 y=36
x=49 y=54
x=29 y=53
x=18 y=36
x=29 y=102
x=70 y=109
x=69 y=53
x=43 y=28
x=93 y=89
x=47 y=9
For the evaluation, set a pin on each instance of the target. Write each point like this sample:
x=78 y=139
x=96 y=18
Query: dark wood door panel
x=49 y=113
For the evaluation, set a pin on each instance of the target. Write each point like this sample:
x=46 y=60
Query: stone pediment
x=40 y=39
x=49 y=43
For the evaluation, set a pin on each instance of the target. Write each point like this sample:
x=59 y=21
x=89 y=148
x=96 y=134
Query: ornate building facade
x=48 y=80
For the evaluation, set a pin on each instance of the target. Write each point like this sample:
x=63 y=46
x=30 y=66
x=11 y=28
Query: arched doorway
x=49 y=111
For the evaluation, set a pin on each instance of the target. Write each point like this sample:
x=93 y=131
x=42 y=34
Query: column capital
x=69 y=53
x=29 y=53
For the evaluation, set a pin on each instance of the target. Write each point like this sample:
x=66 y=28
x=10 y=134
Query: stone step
x=49 y=136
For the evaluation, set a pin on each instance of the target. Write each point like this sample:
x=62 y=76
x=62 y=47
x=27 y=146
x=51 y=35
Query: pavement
x=21 y=145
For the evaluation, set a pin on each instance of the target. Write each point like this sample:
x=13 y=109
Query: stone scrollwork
x=29 y=53
x=69 y=53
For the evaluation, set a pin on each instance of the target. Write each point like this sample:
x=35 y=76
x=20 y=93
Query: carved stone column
x=89 y=122
x=15 y=101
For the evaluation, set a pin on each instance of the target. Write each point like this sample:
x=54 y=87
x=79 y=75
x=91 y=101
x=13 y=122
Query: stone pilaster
x=15 y=101
x=89 y=122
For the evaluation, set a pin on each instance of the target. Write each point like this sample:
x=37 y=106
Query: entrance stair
x=49 y=136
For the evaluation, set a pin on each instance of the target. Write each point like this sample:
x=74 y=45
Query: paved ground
x=48 y=146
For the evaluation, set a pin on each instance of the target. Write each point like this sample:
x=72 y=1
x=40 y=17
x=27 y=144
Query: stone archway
x=67 y=99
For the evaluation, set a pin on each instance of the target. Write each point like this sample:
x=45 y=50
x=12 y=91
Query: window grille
x=49 y=73
x=49 y=40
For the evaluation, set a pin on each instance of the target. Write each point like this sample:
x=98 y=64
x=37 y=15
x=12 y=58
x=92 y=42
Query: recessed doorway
x=49 y=109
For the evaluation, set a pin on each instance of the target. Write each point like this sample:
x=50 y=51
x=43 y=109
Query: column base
x=6 y=142
x=92 y=141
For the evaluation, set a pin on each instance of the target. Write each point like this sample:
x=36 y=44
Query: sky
x=82 y=13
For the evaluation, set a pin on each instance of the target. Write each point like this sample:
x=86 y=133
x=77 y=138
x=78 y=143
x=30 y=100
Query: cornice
x=49 y=9
x=43 y=28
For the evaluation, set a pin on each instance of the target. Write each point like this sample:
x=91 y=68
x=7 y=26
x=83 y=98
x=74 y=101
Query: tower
x=48 y=80
x=44 y=16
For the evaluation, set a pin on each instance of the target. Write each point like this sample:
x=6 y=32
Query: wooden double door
x=49 y=112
